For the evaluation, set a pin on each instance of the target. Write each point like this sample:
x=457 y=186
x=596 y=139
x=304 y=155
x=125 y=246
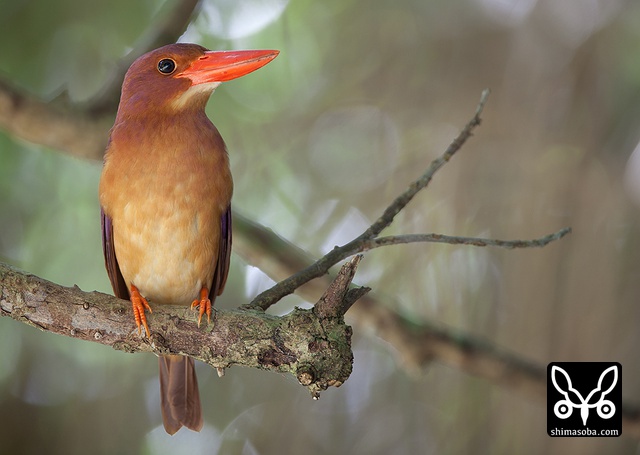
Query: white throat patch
x=195 y=90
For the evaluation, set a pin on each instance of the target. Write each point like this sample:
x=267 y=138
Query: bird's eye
x=166 y=66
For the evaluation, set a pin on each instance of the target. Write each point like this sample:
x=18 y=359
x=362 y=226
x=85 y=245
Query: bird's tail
x=179 y=394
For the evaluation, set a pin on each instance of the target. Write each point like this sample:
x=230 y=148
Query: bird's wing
x=111 y=262
x=224 y=256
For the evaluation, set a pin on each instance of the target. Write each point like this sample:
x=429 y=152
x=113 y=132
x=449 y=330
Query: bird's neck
x=186 y=132
x=145 y=104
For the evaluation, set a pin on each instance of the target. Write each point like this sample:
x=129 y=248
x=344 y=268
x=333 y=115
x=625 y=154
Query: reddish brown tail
x=179 y=394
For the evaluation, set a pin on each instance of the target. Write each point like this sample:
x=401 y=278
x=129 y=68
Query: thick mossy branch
x=315 y=349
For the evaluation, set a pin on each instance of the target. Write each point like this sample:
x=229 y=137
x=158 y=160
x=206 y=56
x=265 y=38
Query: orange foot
x=204 y=303
x=139 y=305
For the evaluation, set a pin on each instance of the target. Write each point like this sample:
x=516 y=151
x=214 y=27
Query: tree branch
x=165 y=30
x=81 y=130
x=401 y=201
x=287 y=344
x=59 y=128
x=471 y=241
x=338 y=298
x=367 y=240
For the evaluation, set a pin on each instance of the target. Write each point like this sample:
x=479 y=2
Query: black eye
x=166 y=66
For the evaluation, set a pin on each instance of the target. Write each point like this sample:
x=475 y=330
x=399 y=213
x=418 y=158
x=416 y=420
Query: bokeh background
x=362 y=97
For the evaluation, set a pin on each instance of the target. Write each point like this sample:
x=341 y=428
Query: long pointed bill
x=220 y=66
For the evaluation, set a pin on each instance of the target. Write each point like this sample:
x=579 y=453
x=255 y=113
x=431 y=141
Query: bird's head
x=179 y=77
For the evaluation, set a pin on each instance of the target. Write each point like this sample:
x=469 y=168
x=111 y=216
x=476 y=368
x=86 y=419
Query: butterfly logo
x=574 y=399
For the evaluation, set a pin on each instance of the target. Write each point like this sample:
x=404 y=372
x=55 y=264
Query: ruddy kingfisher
x=165 y=197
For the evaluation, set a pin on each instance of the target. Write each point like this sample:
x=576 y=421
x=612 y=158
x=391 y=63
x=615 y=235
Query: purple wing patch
x=224 y=257
x=110 y=261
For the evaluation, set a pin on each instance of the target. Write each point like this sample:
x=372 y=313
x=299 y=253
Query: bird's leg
x=204 y=305
x=139 y=305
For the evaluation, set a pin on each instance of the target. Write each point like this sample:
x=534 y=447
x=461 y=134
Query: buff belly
x=169 y=255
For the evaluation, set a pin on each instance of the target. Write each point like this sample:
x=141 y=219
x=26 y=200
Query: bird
x=165 y=198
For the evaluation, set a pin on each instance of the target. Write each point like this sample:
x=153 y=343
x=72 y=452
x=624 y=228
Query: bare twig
x=322 y=265
x=456 y=240
x=367 y=239
x=401 y=201
x=338 y=298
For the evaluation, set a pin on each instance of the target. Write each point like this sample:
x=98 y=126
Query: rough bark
x=316 y=349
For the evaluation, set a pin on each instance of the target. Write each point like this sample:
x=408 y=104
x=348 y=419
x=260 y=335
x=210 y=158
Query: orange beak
x=220 y=66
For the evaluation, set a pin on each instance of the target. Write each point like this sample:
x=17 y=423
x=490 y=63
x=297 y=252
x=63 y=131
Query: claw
x=139 y=305
x=203 y=305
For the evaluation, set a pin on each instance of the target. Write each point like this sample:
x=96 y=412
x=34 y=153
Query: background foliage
x=362 y=97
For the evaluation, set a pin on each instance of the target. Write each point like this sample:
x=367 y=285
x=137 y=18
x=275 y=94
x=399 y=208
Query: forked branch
x=369 y=238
